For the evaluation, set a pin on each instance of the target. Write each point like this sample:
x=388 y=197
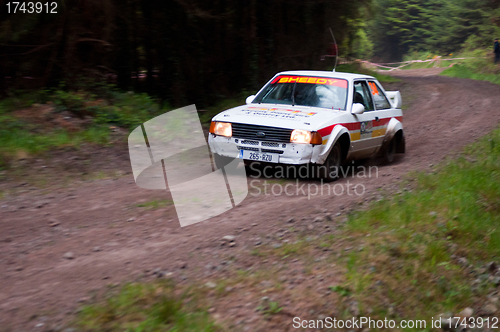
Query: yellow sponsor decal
x=378 y=132
x=355 y=136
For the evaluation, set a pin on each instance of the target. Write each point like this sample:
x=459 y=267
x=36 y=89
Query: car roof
x=322 y=73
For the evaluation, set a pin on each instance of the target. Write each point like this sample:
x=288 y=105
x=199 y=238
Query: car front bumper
x=289 y=153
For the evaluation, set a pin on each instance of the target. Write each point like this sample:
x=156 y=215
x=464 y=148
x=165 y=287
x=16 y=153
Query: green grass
x=478 y=66
x=423 y=65
x=413 y=240
x=270 y=308
x=141 y=307
x=19 y=138
x=156 y=204
x=16 y=139
x=297 y=248
x=424 y=55
x=464 y=71
x=127 y=110
x=106 y=106
x=23 y=99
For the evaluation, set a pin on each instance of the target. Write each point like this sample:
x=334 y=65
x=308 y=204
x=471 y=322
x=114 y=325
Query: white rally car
x=316 y=117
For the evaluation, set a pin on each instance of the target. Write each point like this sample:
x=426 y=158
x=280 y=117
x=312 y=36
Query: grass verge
x=32 y=122
x=479 y=66
x=464 y=71
x=427 y=251
x=20 y=138
x=143 y=307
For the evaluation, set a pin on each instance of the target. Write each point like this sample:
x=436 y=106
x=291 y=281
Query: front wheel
x=390 y=151
x=330 y=170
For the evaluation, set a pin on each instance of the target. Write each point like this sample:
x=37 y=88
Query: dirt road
x=112 y=239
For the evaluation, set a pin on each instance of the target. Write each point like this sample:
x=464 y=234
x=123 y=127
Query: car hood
x=283 y=116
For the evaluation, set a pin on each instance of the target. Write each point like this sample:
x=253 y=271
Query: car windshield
x=305 y=91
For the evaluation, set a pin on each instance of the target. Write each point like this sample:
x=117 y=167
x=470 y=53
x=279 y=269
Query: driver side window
x=362 y=95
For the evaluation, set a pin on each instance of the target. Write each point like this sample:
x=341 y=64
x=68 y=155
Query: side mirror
x=357 y=108
x=250 y=99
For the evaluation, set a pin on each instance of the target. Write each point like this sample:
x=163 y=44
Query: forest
x=192 y=51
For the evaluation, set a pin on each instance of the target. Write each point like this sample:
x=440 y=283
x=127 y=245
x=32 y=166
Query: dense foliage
x=190 y=50
x=441 y=26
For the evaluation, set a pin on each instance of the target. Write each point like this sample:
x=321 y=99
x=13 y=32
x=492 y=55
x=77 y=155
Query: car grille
x=248 y=148
x=250 y=142
x=272 y=151
x=270 y=144
x=272 y=134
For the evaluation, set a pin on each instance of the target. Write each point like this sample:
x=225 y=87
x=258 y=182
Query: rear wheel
x=330 y=170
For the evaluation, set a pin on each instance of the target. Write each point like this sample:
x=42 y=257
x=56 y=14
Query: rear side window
x=379 y=98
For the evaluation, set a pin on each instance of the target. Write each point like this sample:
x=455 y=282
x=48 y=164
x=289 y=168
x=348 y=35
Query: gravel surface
x=61 y=243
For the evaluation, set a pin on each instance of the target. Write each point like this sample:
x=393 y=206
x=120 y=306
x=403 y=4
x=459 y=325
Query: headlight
x=221 y=128
x=306 y=137
x=301 y=136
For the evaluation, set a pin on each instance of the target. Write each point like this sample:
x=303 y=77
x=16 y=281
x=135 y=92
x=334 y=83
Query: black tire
x=390 y=151
x=401 y=148
x=330 y=170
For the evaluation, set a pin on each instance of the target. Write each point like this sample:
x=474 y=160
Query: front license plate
x=259 y=156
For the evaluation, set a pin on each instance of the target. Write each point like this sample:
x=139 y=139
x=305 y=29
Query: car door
x=382 y=114
x=362 y=141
